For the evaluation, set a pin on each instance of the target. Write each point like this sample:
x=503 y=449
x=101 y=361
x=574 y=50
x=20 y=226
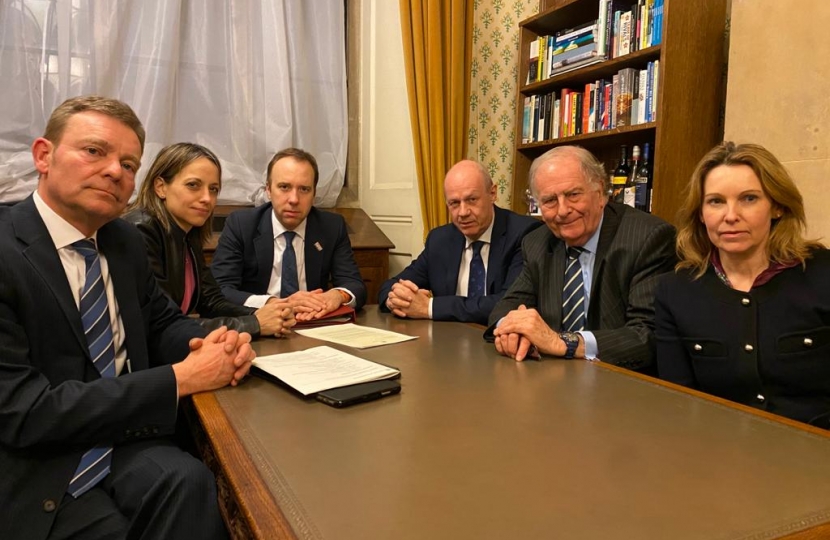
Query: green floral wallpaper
x=492 y=128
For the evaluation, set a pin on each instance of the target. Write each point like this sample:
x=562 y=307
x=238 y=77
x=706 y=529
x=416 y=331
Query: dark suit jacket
x=244 y=258
x=703 y=328
x=53 y=403
x=436 y=268
x=634 y=249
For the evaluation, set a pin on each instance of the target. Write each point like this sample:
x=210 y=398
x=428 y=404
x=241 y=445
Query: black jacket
x=166 y=254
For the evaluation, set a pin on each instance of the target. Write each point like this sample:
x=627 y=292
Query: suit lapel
x=314 y=256
x=497 y=240
x=455 y=250
x=41 y=253
x=555 y=256
x=610 y=224
x=122 y=274
x=264 y=248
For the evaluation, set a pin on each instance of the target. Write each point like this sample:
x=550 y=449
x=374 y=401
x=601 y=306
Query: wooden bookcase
x=689 y=94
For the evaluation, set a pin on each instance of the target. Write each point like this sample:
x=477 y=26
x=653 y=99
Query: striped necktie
x=573 y=293
x=95 y=463
x=290 y=279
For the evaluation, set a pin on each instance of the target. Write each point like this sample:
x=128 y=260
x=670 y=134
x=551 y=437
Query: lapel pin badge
x=318 y=246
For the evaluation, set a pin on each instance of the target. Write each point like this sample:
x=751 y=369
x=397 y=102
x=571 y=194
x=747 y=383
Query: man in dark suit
x=88 y=384
x=287 y=248
x=467 y=265
x=587 y=286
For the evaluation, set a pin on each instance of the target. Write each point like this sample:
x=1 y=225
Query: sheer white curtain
x=245 y=78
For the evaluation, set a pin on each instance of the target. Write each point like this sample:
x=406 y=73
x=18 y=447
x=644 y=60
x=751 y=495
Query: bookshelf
x=689 y=94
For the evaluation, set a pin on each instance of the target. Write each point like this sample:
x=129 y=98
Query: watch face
x=569 y=337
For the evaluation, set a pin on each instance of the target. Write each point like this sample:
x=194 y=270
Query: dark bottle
x=629 y=191
x=620 y=176
x=642 y=183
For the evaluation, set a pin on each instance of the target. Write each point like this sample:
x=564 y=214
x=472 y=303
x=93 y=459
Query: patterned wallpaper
x=492 y=128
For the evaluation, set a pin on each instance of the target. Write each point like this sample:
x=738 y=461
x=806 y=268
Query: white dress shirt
x=275 y=283
x=63 y=235
x=466 y=257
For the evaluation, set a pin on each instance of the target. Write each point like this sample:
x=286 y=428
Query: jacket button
x=760 y=398
x=749 y=348
x=745 y=301
x=49 y=505
x=698 y=347
x=808 y=342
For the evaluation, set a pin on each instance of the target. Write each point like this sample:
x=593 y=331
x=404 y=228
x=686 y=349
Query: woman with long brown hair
x=173 y=211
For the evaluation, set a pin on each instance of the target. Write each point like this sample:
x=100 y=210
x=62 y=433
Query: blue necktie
x=290 y=281
x=95 y=463
x=573 y=294
x=478 y=276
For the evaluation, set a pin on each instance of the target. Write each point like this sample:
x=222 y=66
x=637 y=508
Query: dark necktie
x=478 y=276
x=290 y=280
x=573 y=293
x=95 y=463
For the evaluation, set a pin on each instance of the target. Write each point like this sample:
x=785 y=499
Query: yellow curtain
x=436 y=44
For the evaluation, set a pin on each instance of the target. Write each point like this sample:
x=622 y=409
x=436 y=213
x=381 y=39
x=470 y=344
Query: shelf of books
x=605 y=74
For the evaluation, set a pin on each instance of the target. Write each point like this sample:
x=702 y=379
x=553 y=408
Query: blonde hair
x=110 y=107
x=168 y=163
x=786 y=241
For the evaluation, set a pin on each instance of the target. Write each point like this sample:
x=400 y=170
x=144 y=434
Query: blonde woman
x=746 y=315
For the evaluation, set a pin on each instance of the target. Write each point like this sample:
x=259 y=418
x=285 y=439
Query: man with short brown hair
x=95 y=356
x=287 y=248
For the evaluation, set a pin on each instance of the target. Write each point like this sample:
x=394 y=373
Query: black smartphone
x=358 y=393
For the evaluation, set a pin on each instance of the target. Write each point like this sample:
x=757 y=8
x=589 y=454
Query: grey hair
x=592 y=169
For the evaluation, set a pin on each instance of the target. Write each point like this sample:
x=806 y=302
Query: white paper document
x=352 y=335
x=322 y=368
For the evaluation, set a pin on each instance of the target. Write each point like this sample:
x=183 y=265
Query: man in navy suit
x=287 y=248
x=76 y=280
x=466 y=266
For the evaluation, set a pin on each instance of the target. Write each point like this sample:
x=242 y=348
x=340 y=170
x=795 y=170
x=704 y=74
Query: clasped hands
x=276 y=317
x=523 y=329
x=222 y=357
x=407 y=300
x=310 y=305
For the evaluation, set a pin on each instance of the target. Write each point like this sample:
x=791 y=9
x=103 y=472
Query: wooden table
x=479 y=446
x=369 y=244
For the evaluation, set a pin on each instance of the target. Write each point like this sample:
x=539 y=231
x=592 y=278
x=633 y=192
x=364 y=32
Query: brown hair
x=592 y=169
x=99 y=104
x=299 y=155
x=168 y=163
x=786 y=240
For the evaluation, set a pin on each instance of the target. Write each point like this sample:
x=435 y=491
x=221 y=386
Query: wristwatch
x=571 y=340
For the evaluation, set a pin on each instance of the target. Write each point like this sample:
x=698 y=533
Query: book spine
x=565 y=35
x=557 y=114
x=641 y=112
x=656 y=82
x=625 y=33
x=526 y=120
x=615 y=92
x=649 y=91
x=602 y=23
x=533 y=62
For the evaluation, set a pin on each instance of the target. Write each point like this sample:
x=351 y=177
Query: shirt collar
x=485 y=237
x=279 y=228
x=62 y=232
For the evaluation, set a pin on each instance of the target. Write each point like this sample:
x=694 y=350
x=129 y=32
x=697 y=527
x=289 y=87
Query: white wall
x=388 y=180
x=778 y=92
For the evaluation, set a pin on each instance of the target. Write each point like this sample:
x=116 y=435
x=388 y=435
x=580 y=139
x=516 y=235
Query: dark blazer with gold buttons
x=768 y=348
x=54 y=405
